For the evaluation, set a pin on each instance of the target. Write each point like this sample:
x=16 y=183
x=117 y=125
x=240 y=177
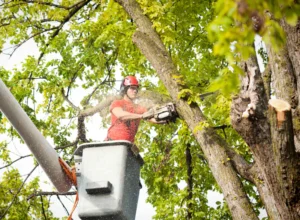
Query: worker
x=125 y=114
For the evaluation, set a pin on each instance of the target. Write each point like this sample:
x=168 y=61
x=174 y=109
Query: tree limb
x=74 y=10
x=63 y=205
x=240 y=165
x=188 y=157
x=48 y=4
x=22 y=157
x=68 y=100
x=67 y=145
x=41 y=193
x=43 y=209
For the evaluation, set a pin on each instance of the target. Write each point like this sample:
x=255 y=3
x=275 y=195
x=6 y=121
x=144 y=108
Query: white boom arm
x=39 y=146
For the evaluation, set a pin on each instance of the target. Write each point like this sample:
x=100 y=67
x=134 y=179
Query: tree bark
x=271 y=140
x=150 y=44
x=293 y=55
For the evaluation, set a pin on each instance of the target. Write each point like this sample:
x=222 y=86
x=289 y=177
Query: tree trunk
x=150 y=44
x=271 y=138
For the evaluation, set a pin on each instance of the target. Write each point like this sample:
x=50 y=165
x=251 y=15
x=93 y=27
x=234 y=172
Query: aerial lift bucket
x=108 y=180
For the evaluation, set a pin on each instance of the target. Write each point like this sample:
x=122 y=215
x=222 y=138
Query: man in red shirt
x=125 y=114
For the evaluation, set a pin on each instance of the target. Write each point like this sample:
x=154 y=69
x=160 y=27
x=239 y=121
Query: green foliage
x=21 y=208
x=236 y=24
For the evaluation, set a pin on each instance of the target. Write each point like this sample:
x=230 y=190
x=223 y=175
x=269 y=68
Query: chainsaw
x=166 y=112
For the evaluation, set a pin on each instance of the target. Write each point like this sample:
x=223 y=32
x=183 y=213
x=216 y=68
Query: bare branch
x=68 y=100
x=67 y=145
x=63 y=205
x=22 y=157
x=15 y=196
x=95 y=89
x=32 y=36
x=41 y=193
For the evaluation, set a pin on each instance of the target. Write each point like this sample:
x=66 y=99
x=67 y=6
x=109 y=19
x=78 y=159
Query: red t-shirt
x=124 y=129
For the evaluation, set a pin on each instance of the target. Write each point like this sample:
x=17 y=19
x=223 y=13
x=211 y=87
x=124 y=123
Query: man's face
x=132 y=92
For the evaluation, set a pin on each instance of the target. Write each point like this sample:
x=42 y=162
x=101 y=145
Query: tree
x=250 y=149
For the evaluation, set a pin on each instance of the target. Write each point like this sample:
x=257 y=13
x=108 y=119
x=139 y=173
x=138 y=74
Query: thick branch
x=241 y=165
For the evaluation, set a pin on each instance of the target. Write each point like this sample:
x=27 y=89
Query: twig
x=43 y=209
x=48 y=4
x=51 y=194
x=15 y=196
x=68 y=100
x=63 y=204
x=67 y=145
x=76 y=7
x=94 y=90
x=22 y=157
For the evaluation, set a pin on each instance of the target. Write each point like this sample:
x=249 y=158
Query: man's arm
x=123 y=115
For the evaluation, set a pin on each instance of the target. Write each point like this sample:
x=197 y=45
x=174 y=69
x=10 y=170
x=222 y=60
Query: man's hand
x=148 y=115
